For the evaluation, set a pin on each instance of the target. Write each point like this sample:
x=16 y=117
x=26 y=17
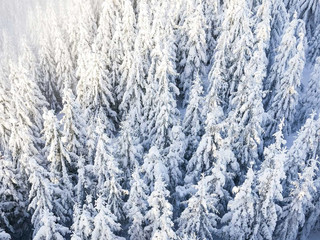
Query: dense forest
x=161 y=119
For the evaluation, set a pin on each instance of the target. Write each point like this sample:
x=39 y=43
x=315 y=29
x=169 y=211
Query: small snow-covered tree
x=311 y=101
x=175 y=157
x=234 y=50
x=50 y=228
x=73 y=124
x=95 y=93
x=285 y=78
x=242 y=210
x=108 y=174
x=45 y=223
x=192 y=47
x=12 y=200
x=83 y=220
x=152 y=163
x=269 y=186
x=200 y=218
x=129 y=151
x=193 y=120
x=136 y=206
x=297 y=203
x=159 y=216
x=105 y=222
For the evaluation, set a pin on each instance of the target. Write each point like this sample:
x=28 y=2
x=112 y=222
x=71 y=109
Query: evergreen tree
x=94 y=93
x=61 y=167
x=12 y=201
x=129 y=150
x=193 y=120
x=297 y=203
x=136 y=206
x=45 y=224
x=105 y=222
x=175 y=157
x=234 y=50
x=108 y=174
x=192 y=47
x=74 y=126
x=83 y=220
x=285 y=78
x=200 y=218
x=270 y=188
x=159 y=216
x=314 y=46
x=311 y=99
x=242 y=214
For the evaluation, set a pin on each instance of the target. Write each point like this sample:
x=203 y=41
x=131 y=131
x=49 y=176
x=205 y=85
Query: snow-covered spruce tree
x=212 y=13
x=105 y=222
x=129 y=151
x=124 y=43
x=279 y=20
x=311 y=101
x=83 y=220
x=161 y=112
x=159 y=216
x=153 y=162
x=269 y=187
x=192 y=47
x=200 y=218
x=284 y=79
x=108 y=174
x=73 y=124
x=95 y=93
x=5 y=101
x=45 y=224
x=242 y=210
x=136 y=206
x=193 y=120
x=245 y=118
x=304 y=148
x=4 y=235
x=174 y=160
x=308 y=11
x=83 y=38
x=233 y=51
x=297 y=203
x=61 y=168
x=314 y=46
x=65 y=73
x=26 y=116
x=46 y=77
x=11 y=197
x=136 y=73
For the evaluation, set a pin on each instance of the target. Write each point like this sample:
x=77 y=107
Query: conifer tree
x=108 y=174
x=200 y=218
x=194 y=120
x=269 y=186
x=242 y=214
x=311 y=99
x=61 y=167
x=94 y=94
x=136 y=206
x=234 y=50
x=285 y=77
x=83 y=220
x=105 y=222
x=297 y=203
x=160 y=225
x=192 y=47
x=73 y=125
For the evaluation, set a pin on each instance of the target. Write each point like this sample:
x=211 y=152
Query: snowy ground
x=315 y=236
